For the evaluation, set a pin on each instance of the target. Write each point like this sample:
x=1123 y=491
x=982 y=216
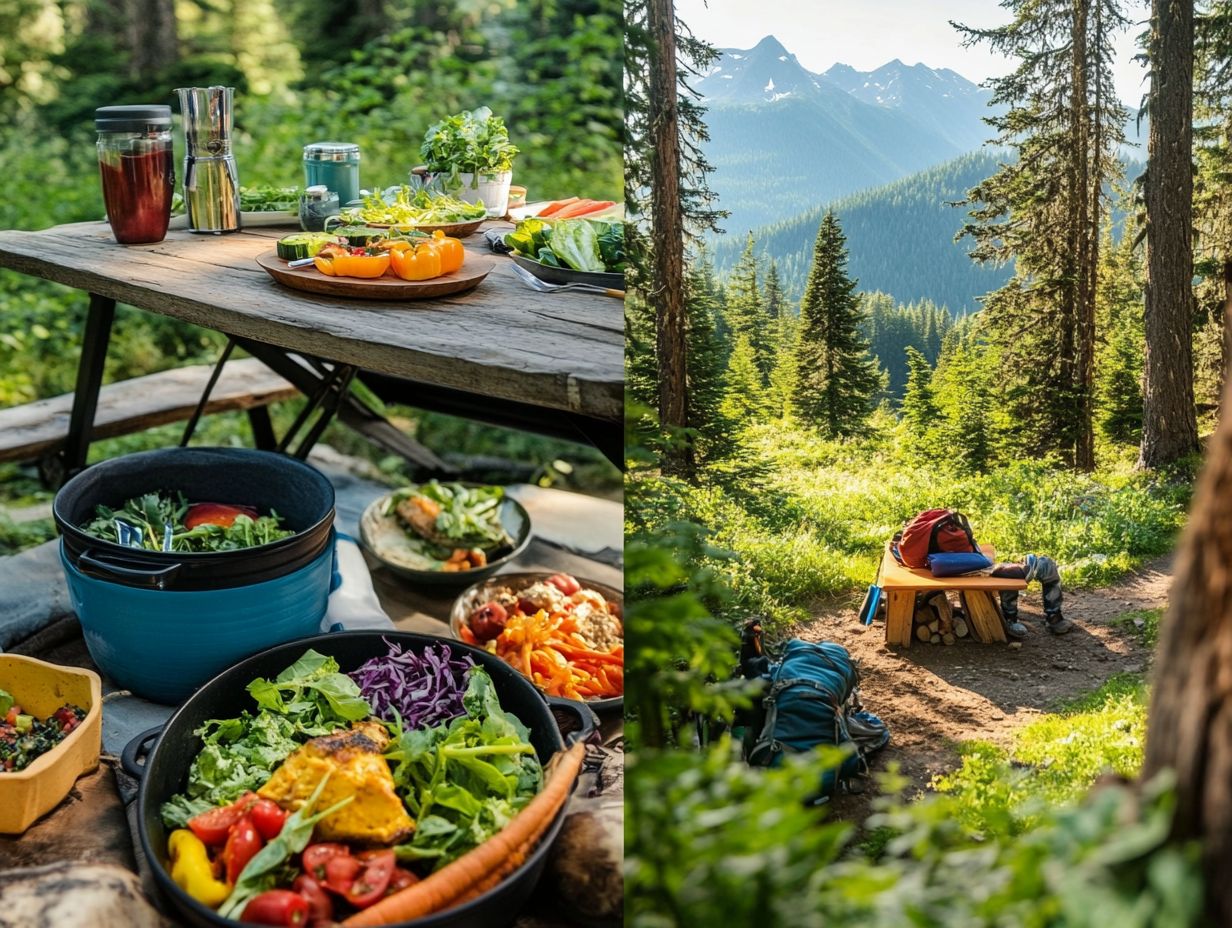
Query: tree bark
x=1086 y=174
x=1190 y=723
x=666 y=291
x=152 y=37
x=1169 y=427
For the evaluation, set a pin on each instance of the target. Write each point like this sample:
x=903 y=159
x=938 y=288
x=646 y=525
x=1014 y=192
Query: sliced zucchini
x=303 y=245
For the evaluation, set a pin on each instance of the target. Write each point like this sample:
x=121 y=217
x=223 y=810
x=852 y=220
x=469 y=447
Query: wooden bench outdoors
x=39 y=430
x=900 y=584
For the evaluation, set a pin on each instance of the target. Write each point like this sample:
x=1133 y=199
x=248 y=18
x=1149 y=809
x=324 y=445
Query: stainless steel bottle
x=211 y=183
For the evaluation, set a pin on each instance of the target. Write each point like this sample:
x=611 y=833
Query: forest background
x=376 y=72
x=776 y=446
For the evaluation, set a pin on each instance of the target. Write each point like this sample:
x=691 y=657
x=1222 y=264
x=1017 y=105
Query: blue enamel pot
x=162 y=623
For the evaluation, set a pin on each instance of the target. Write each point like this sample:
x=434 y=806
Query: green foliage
x=1052 y=761
x=713 y=842
x=836 y=376
x=919 y=410
x=744 y=399
x=1120 y=357
x=745 y=314
x=815 y=521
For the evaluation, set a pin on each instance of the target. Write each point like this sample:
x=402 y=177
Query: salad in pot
x=398 y=790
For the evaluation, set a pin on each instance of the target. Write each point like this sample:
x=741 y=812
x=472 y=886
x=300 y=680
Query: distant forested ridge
x=900 y=236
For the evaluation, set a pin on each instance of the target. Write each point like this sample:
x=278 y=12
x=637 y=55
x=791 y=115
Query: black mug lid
x=131 y=118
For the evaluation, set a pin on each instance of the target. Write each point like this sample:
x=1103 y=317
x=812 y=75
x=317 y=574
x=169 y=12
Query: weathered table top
x=894 y=576
x=557 y=351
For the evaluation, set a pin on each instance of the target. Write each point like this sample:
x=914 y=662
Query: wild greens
x=463 y=781
x=151 y=513
x=309 y=699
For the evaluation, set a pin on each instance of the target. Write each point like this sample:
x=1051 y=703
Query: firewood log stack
x=935 y=621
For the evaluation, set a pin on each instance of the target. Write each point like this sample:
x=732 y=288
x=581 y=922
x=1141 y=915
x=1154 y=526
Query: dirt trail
x=933 y=696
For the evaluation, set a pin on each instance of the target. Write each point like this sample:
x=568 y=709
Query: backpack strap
x=965 y=524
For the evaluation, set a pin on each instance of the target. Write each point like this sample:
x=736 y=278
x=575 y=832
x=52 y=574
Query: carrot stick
x=584 y=208
x=444 y=887
x=556 y=205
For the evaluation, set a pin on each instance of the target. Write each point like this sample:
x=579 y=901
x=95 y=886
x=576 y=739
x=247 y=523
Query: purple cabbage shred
x=426 y=689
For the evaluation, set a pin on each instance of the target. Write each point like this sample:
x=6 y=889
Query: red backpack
x=931 y=531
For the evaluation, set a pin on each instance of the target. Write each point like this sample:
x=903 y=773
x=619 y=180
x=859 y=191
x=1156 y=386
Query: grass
x=1142 y=624
x=810 y=518
x=1052 y=761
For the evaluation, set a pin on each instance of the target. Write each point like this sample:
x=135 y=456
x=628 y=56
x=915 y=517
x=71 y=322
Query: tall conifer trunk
x=666 y=290
x=1169 y=427
x=1190 y=722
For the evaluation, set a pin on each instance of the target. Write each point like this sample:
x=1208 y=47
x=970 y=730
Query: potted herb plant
x=472 y=155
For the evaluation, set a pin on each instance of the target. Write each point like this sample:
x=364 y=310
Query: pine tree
x=746 y=308
x=744 y=399
x=783 y=376
x=836 y=376
x=1169 y=423
x=1042 y=209
x=706 y=370
x=1120 y=355
x=665 y=177
x=919 y=409
x=775 y=302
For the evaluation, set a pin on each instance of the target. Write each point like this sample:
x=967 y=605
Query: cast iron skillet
x=299 y=493
x=166 y=767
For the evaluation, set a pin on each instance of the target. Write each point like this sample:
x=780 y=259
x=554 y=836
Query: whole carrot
x=444 y=887
x=556 y=206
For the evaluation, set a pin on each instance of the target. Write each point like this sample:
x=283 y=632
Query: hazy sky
x=867 y=33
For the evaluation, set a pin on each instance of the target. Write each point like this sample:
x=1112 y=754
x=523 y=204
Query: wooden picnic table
x=504 y=352
x=900 y=584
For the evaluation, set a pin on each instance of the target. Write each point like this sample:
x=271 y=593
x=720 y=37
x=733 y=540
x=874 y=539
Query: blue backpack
x=812 y=698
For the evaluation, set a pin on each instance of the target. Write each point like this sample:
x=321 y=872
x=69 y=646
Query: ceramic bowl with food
x=41 y=690
x=574 y=626
x=445 y=534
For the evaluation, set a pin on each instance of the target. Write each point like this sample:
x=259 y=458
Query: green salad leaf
x=309 y=699
x=576 y=243
x=463 y=781
x=582 y=244
x=238 y=756
x=152 y=512
x=314 y=692
x=469 y=516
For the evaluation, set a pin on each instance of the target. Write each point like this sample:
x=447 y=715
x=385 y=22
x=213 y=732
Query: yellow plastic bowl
x=40 y=689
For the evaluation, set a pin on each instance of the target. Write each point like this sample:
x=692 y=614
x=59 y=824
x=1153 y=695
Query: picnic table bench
x=901 y=584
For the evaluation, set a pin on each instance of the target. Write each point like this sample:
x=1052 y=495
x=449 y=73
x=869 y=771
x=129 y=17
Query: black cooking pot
x=300 y=494
x=165 y=771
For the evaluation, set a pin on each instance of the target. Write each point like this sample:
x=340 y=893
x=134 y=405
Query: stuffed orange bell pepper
x=357 y=262
x=452 y=252
x=423 y=262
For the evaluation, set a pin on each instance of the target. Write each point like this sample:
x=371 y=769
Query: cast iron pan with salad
x=365 y=778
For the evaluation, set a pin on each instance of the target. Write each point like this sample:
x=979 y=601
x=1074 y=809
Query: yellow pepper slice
x=452 y=252
x=366 y=266
x=423 y=262
x=191 y=871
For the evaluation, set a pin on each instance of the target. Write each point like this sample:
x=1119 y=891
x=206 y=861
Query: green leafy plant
x=472 y=142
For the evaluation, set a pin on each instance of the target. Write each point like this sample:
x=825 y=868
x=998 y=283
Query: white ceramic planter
x=491 y=189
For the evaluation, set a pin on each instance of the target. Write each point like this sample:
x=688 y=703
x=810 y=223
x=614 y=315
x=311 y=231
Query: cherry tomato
x=268 y=818
x=320 y=906
x=214 y=826
x=340 y=873
x=401 y=879
x=221 y=514
x=488 y=621
x=564 y=583
x=317 y=855
x=526 y=606
x=277 y=907
x=10 y=717
x=242 y=844
x=370 y=884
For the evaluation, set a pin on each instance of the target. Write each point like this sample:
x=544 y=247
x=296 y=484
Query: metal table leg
x=89 y=381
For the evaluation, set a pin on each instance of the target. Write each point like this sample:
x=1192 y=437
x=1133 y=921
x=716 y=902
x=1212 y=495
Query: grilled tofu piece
x=353 y=759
